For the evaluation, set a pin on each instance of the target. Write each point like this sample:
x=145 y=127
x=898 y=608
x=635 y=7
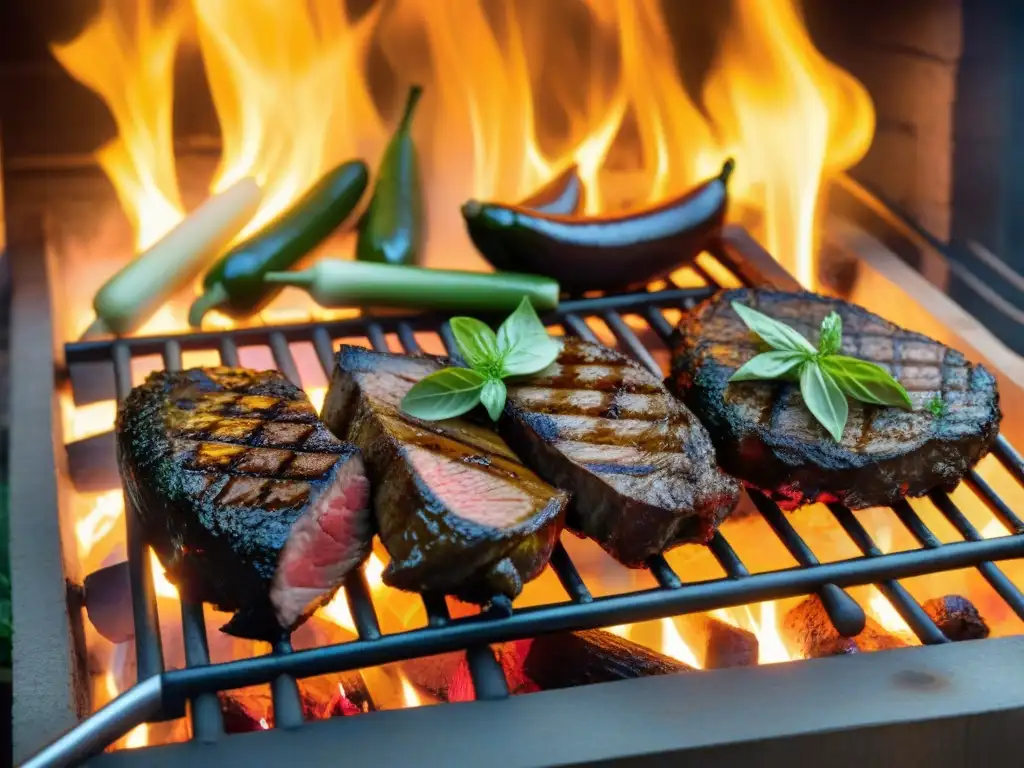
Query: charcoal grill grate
x=747 y=264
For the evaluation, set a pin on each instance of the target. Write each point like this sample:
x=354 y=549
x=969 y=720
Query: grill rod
x=140 y=703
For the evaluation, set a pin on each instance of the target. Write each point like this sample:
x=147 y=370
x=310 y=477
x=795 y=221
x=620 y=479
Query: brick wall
x=907 y=54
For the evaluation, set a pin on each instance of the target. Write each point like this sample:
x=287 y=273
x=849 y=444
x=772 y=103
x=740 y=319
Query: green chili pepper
x=391 y=229
x=336 y=283
x=235 y=285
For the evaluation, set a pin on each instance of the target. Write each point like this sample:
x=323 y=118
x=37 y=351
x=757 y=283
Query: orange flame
x=507 y=106
x=791 y=117
x=410 y=696
x=337 y=609
x=888 y=617
x=107 y=512
x=126 y=55
x=280 y=77
x=672 y=644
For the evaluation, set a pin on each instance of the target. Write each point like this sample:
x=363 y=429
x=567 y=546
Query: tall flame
x=281 y=79
x=126 y=55
x=791 y=117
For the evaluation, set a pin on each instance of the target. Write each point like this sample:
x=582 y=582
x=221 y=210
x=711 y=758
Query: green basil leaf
x=476 y=343
x=444 y=394
x=769 y=365
x=775 y=334
x=492 y=397
x=524 y=344
x=824 y=399
x=866 y=381
x=830 y=340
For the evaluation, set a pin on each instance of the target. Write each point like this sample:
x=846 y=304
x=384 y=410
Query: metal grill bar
x=207 y=722
x=997 y=506
x=845 y=613
x=149 y=656
x=568 y=576
x=284 y=690
x=200 y=681
x=600 y=612
x=999 y=581
x=908 y=608
x=100 y=350
x=484 y=670
x=284 y=693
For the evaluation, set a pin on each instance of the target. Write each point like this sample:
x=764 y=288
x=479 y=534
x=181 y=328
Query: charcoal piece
x=717 y=644
x=568 y=659
x=808 y=633
x=957 y=618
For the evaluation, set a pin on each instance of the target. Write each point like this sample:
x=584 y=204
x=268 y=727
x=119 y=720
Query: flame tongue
x=126 y=55
x=281 y=77
x=793 y=117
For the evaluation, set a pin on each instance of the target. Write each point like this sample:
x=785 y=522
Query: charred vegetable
x=131 y=296
x=235 y=284
x=335 y=283
x=391 y=230
x=601 y=253
x=562 y=196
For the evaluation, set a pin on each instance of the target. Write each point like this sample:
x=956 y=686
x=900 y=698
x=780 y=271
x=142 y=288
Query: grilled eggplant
x=250 y=503
x=456 y=510
x=765 y=435
x=640 y=466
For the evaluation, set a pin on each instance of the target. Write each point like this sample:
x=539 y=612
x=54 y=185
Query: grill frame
x=737 y=252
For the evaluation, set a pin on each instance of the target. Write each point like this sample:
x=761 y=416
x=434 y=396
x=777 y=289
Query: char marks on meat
x=456 y=510
x=766 y=436
x=250 y=503
x=639 y=465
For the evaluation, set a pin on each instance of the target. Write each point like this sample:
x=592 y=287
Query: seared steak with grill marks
x=250 y=503
x=457 y=511
x=766 y=436
x=640 y=466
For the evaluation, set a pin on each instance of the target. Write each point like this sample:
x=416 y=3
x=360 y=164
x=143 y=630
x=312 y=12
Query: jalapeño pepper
x=235 y=285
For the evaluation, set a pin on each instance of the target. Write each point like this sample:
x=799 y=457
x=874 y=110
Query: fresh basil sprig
x=521 y=347
x=826 y=378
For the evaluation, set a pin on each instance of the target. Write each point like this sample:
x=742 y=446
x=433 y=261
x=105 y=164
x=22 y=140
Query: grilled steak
x=766 y=436
x=640 y=467
x=456 y=510
x=250 y=503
